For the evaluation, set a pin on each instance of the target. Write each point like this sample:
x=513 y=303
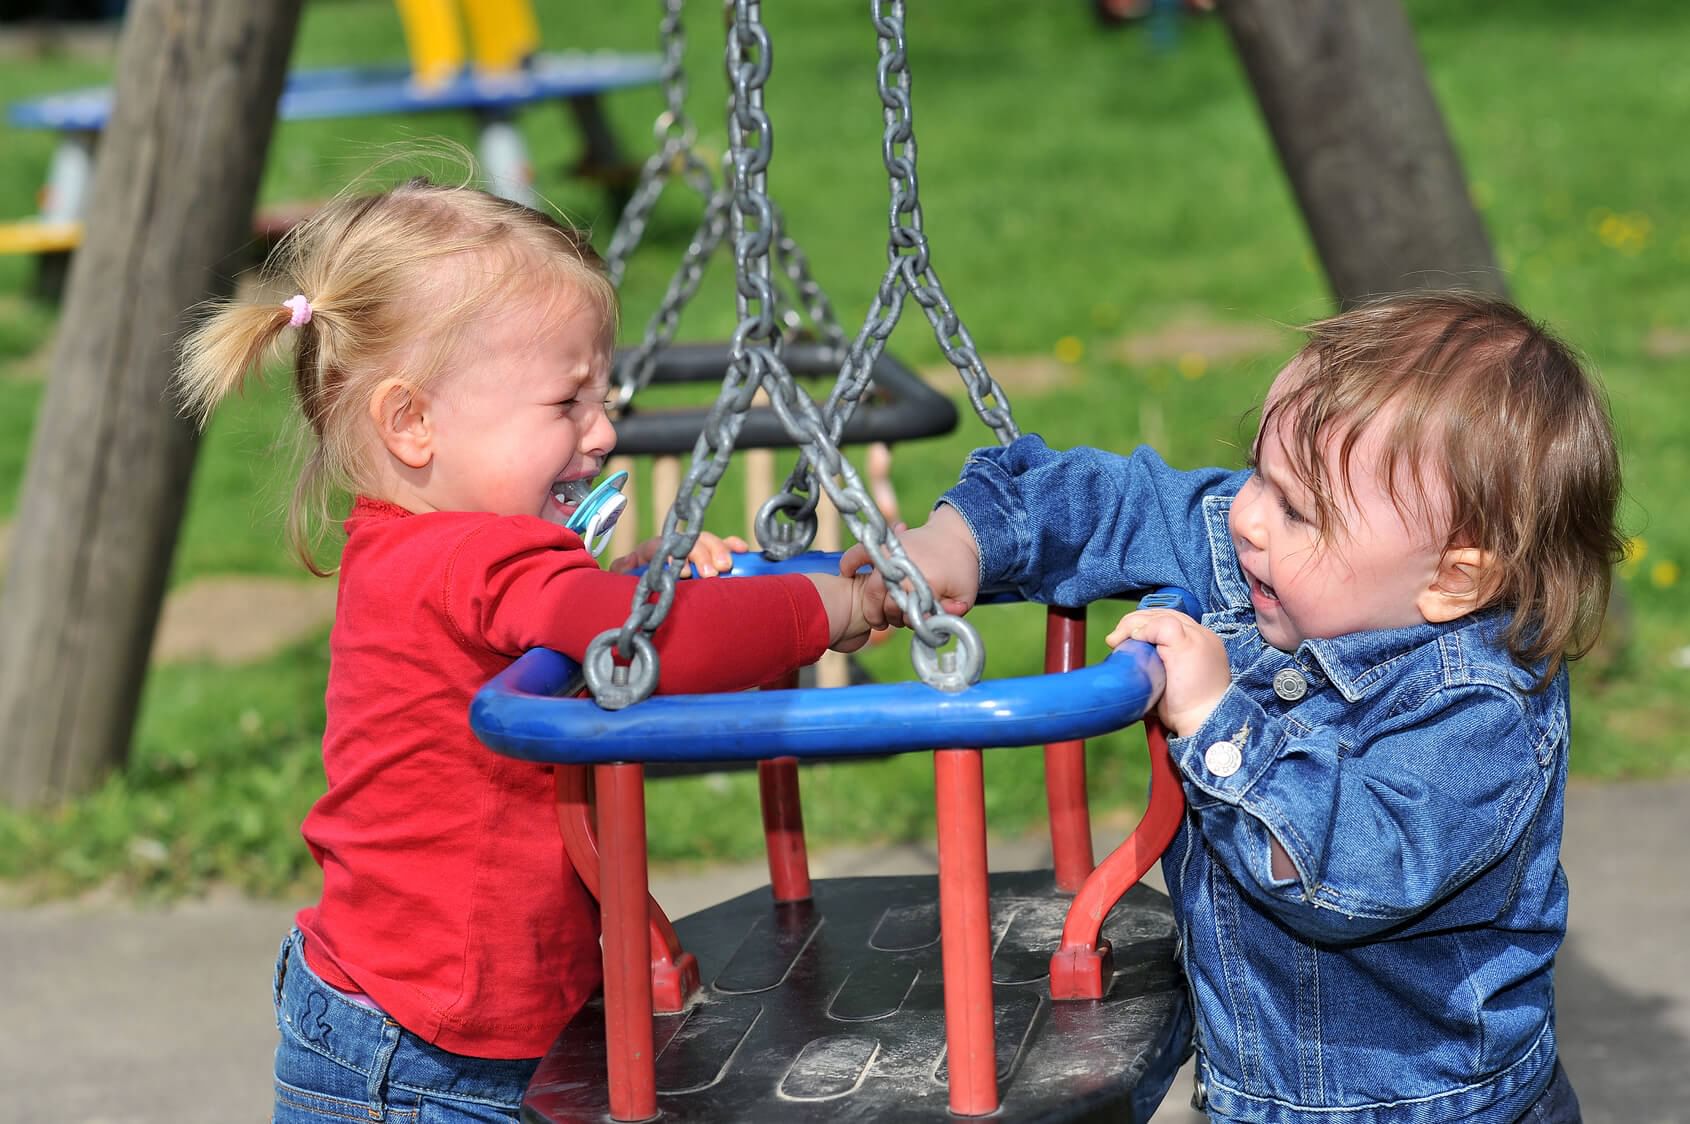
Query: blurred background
x=1111 y=221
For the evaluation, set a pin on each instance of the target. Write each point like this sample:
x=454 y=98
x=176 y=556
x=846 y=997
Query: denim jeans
x=339 y=1060
x=1558 y=1104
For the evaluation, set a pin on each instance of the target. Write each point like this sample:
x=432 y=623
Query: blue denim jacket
x=1416 y=782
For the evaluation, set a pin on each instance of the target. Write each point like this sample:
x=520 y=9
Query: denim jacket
x=1412 y=776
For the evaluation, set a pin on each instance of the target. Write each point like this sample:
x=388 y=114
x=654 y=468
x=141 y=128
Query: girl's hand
x=1193 y=657
x=710 y=554
x=844 y=601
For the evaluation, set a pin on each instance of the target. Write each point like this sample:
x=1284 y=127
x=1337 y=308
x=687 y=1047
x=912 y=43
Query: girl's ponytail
x=226 y=349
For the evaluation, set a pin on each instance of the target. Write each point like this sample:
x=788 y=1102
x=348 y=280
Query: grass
x=1079 y=190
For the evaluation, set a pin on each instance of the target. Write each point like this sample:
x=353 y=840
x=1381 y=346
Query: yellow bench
x=36 y=236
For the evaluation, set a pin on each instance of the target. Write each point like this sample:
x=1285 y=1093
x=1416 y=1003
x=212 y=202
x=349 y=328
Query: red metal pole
x=1065 y=762
x=627 y=978
x=674 y=971
x=1081 y=967
x=965 y=931
x=783 y=829
x=783 y=819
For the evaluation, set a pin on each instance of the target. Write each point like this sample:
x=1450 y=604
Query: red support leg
x=674 y=971
x=1081 y=967
x=966 y=931
x=783 y=819
x=783 y=829
x=1065 y=762
x=627 y=977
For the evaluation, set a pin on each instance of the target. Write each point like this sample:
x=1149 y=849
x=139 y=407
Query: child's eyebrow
x=1274 y=480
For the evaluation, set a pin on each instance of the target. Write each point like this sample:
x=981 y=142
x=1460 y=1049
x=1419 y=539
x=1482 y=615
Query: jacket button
x=1289 y=684
x=1223 y=759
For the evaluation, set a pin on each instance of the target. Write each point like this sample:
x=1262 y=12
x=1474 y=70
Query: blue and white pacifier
x=596 y=509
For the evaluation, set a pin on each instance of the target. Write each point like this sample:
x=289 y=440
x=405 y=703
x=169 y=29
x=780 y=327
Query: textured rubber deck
x=833 y=1010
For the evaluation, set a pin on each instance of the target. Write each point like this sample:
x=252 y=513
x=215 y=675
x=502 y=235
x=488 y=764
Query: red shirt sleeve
x=516 y=583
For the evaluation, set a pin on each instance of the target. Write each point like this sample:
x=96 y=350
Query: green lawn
x=1082 y=192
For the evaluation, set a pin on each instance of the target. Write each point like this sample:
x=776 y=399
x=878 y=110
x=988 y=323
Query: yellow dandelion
x=1663 y=574
x=1612 y=231
x=1069 y=349
x=1192 y=365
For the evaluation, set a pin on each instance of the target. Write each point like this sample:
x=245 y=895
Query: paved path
x=119 y=1015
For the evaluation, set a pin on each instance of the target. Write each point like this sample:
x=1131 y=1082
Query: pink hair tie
x=301 y=309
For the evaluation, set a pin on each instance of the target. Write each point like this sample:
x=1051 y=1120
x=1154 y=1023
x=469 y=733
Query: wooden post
x=171 y=204
x=1364 y=145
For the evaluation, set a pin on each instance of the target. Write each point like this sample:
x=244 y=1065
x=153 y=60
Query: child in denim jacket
x=1371 y=717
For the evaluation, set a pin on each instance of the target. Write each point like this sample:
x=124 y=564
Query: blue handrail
x=527 y=711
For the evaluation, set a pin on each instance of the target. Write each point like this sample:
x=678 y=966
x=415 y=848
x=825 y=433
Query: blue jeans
x=1558 y=1104
x=340 y=1061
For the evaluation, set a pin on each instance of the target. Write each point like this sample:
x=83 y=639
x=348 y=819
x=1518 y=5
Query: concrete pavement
x=115 y=1014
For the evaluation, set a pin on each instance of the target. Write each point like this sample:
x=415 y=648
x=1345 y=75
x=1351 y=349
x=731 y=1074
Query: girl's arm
x=516 y=583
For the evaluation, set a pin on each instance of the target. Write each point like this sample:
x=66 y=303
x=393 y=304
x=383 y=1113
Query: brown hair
x=1481 y=401
x=395 y=281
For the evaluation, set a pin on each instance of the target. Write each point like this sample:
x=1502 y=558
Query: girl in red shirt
x=452 y=361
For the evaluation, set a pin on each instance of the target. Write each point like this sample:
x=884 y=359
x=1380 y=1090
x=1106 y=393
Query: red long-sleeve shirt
x=447 y=897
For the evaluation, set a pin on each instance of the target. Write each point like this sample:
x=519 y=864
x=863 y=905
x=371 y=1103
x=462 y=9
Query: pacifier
x=596 y=509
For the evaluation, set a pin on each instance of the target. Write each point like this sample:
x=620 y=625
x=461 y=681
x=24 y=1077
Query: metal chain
x=908 y=249
x=634 y=369
x=756 y=363
x=676 y=138
x=807 y=291
x=676 y=135
x=909 y=272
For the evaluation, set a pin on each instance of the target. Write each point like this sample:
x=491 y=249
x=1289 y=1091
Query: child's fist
x=1193 y=658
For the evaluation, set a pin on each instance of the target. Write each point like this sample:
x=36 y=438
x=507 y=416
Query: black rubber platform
x=833 y=1010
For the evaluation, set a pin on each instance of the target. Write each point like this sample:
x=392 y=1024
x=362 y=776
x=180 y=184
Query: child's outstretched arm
x=943 y=549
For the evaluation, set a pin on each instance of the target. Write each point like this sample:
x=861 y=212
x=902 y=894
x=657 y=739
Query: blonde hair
x=1476 y=398
x=394 y=280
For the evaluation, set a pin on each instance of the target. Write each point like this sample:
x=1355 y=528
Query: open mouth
x=1262 y=589
x=568 y=494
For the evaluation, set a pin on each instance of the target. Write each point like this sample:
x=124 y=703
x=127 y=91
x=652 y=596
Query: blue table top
x=359 y=91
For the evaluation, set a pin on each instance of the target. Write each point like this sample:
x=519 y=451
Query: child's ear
x=401 y=416
x=1461 y=584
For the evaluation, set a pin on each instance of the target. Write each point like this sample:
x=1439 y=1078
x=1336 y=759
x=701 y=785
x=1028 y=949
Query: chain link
x=675 y=136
